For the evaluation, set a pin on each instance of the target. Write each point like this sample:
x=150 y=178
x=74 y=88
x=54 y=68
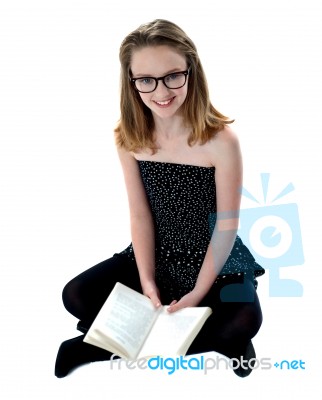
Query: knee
x=253 y=316
x=71 y=296
x=242 y=300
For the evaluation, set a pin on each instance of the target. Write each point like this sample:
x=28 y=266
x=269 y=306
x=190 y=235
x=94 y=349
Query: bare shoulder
x=135 y=190
x=226 y=137
x=124 y=155
x=129 y=166
x=224 y=146
x=128 y=162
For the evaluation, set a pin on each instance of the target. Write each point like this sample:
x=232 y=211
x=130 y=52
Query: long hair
x=136 y=124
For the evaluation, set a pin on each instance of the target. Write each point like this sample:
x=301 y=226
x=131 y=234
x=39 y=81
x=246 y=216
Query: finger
x=153 y=295
x=171 y=305
x=175 y=307
x=155 y=300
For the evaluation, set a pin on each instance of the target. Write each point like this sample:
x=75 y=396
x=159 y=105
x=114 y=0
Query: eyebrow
x=171 y=71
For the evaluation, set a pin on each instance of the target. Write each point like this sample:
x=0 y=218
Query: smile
x=164 y=103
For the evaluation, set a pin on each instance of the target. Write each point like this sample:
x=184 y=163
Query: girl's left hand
x=191 y=299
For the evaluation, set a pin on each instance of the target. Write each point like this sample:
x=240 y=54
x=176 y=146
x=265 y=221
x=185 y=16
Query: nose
x=161 y=89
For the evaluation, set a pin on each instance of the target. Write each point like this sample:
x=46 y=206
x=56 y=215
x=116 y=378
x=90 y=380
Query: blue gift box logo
x=273 y=235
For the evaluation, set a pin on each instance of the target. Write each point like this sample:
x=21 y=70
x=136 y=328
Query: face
x=157 y=62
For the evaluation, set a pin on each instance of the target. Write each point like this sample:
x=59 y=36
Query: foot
x=83 y=326
x=246 y=363
x=74 y=352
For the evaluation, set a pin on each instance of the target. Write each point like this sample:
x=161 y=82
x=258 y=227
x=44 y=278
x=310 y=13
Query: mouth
x=164 y=103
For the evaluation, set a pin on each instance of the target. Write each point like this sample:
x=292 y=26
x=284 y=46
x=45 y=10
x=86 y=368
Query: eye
x=172 y=77
x=145 y=81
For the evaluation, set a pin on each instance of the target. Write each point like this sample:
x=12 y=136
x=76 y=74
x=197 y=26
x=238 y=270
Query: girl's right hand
x=150 y=290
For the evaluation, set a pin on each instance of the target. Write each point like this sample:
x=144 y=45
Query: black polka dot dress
x=183 y=203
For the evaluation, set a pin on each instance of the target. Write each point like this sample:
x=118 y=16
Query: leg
x=83 y=297
x=233 y=323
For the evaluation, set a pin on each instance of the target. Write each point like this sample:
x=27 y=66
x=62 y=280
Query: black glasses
x=147 y=84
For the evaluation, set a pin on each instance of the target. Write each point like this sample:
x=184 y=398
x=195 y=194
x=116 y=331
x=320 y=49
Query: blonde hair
x=134 y=129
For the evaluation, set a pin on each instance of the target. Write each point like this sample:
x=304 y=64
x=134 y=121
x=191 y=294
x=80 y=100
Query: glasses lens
x=175 y=81
x=145 y=84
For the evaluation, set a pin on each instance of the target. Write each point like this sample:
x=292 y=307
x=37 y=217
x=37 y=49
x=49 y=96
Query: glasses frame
x=162 y=78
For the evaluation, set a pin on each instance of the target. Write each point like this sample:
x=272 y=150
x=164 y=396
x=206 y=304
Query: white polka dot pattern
x=183 y=203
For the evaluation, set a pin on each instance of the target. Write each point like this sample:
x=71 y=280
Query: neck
x=171 y=128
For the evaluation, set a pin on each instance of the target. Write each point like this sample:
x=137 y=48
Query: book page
x=126 y=317
x=173 y=333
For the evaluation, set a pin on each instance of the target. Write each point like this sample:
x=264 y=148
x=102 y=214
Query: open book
x=129 y=326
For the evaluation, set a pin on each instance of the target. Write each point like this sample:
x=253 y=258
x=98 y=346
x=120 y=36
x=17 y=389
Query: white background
x=63 y=203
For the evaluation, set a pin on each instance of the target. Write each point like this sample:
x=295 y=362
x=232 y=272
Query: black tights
x=236 y=316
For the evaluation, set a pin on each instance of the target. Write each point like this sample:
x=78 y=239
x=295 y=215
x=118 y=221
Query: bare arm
x=142 y=227
x=228 y=176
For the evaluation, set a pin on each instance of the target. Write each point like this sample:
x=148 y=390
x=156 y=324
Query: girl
x=183 y=173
